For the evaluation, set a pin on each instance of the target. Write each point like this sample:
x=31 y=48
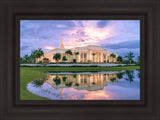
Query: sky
x=120 y=36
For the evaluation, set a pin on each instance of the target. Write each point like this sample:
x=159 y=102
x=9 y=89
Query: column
x=101 y=56
x=97 y=56
x=90 y=55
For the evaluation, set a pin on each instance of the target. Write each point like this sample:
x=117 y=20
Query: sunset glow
x=119 y=36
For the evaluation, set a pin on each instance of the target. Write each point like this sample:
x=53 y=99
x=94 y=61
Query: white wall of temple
x=101 y=56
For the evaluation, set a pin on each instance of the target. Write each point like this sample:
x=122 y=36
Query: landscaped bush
x=40 y=62
x=69 y=84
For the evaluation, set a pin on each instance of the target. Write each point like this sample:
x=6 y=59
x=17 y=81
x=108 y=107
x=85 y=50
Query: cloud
x=126 y=44
x=102 y=23
x=49 y=47
x=111 y=34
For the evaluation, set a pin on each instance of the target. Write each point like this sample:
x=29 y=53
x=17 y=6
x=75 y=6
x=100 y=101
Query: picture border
x=79 y=102
x=12 y=108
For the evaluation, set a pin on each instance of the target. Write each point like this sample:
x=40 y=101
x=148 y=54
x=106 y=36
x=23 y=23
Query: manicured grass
x=28 y=74
x=81 y=69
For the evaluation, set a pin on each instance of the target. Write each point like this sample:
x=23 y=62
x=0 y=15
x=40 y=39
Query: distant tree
x=45 y=61
x=74 y=60
x=120 y=59
x=38 y=53
x=26 y=58
x=57 y=57
x=32 y=58
x=138 y=60
x=129 y=57
x=93 y=56
x=113 y=56
x=22 y=61
x=69 y=52
x=64 y=58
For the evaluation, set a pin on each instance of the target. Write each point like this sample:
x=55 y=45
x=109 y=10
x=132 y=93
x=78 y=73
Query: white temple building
x=87 y=54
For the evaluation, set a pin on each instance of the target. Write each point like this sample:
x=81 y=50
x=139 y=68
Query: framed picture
x=64 y=60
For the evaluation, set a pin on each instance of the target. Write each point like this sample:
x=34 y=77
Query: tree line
x=37 y=54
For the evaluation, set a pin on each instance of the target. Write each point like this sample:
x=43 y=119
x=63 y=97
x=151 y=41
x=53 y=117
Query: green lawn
x=28 y=74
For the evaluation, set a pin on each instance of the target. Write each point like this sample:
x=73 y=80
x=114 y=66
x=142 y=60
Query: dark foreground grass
x=28 y=74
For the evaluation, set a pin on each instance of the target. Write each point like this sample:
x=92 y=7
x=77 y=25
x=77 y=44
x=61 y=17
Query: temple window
x=104 y=56
x=84 y=55
x=81 y=55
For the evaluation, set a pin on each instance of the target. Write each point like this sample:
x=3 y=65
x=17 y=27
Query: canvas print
x=79 y=59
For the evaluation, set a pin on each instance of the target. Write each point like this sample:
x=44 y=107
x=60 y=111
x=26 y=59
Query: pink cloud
x=88 y=35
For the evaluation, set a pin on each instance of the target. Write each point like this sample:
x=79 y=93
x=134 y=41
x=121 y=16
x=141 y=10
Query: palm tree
x=113 y=56
x=138 y=60
x=76 y=53
x=120 y=59
x=26 y=58
x=69 y=52
x=45 y=61
x=64 y=58
x=129 y=56
x=93 y=56
x=38 y=53
x=57 y=57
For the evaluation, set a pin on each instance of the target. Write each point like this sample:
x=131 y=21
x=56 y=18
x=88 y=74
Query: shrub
x=40 y=62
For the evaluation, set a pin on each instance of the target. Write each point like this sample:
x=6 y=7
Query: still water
x=124 y=85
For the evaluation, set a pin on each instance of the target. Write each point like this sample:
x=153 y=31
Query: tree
x=26 y=58
x=22 y=61
x=113 y=56
x=120 y=59
x=129 y=57
x=57 y=57
x=74 y=60
x=93 y=56
x=32 y=58
x=38 y=53
x=64 y=58
x=69 y=52
x=138 y=60
x=45 y=61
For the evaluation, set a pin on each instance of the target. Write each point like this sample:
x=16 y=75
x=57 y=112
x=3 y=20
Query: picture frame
x=11 y=107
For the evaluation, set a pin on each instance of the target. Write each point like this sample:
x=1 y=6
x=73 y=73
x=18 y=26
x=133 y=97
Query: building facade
x=86 y=54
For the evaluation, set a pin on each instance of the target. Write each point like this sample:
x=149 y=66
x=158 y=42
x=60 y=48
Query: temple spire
x=61 y=46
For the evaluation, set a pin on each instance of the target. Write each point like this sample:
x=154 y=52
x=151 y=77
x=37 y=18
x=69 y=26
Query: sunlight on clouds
x=77 y=33
x=49 y=47
x=86 y=33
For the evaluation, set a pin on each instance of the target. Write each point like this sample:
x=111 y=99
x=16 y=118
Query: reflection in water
x=89 y=86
